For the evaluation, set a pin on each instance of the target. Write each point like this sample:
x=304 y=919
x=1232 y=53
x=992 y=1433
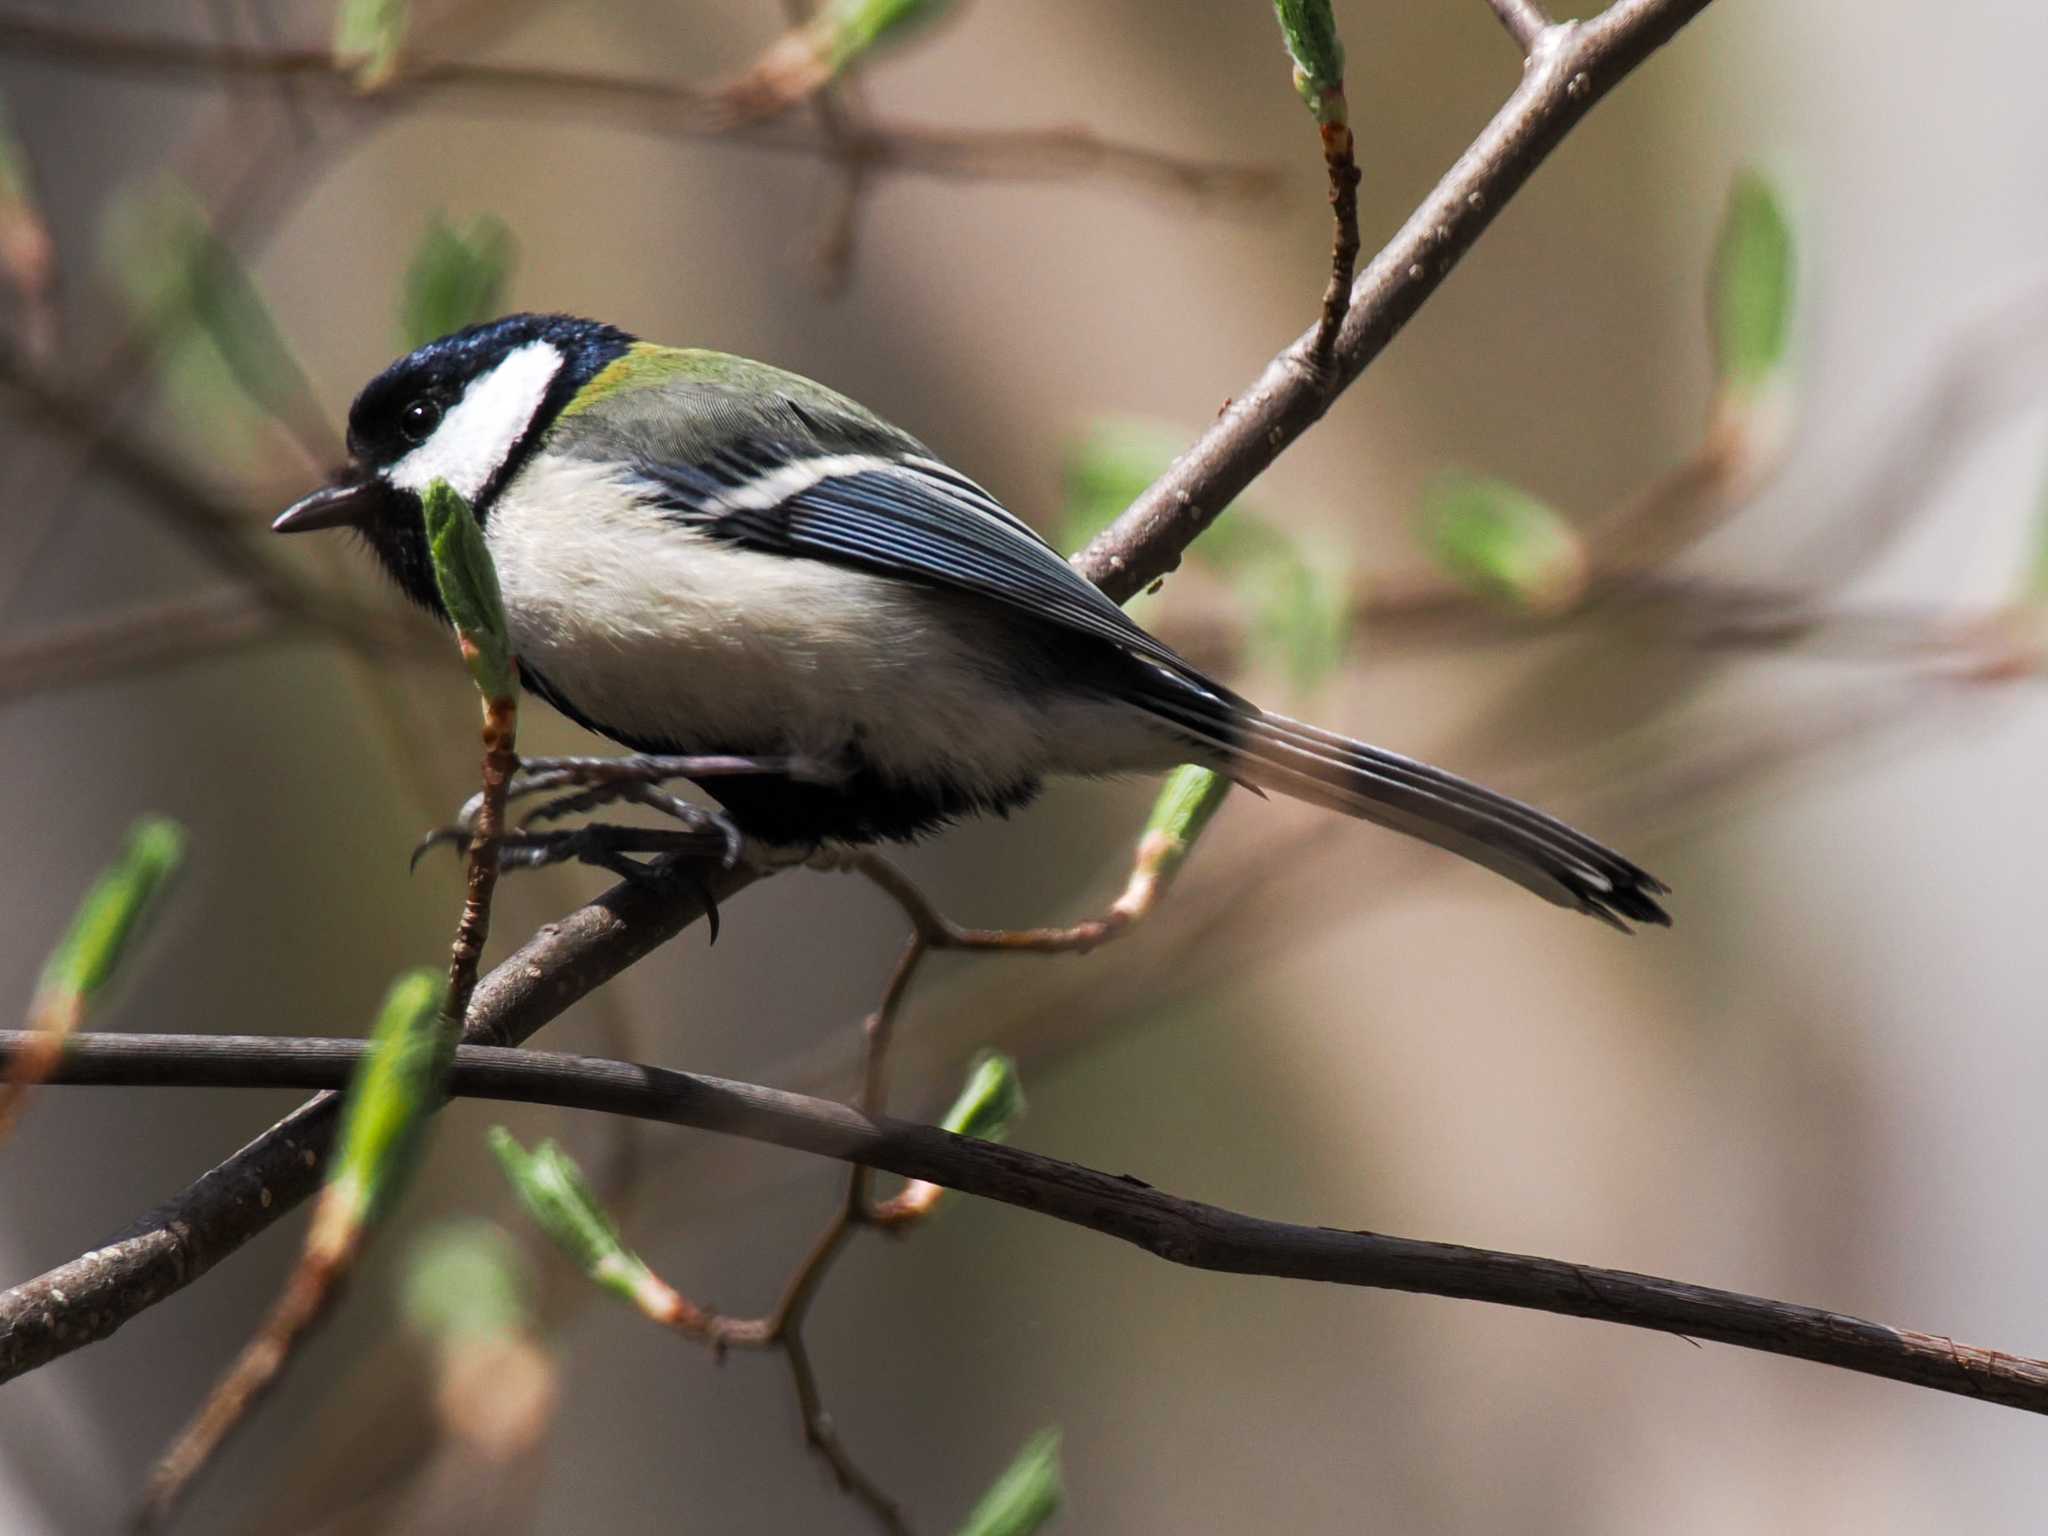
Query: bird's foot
x=593 y=782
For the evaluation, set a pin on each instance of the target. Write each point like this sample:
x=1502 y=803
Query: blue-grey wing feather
x=915 y=520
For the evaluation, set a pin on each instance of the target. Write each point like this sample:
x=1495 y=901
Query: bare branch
x=1563 y=81
x=1181 y=1231
x=86 y=1299
x=1524 y=20
x=669 y=107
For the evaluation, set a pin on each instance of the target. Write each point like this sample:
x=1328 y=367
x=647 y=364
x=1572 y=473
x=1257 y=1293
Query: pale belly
x=664 y=637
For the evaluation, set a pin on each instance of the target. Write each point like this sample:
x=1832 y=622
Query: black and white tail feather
x=1537 y=852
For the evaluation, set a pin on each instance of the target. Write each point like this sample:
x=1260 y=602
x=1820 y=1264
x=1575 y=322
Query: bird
x=703 y=554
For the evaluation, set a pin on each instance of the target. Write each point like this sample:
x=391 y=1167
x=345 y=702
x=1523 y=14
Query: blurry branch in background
x=104 y=931
x=389 y=1105
x=661 y=106
x=552 y=1189
x=816 y=51
x=186 y=286
x=1178 y=1230
x=28 y=255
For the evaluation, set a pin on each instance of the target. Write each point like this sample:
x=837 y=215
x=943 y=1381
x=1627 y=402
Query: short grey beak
x=334 y=506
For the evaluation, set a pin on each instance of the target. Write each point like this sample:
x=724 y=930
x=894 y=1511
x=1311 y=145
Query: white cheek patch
x=478 y=435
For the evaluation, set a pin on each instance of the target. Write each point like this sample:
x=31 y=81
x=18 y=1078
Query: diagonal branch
x=1575 y=68
x=86 y=1299
x=1181 y=1231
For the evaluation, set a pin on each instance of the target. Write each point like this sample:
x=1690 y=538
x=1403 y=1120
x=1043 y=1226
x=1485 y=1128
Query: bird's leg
x=599 y=781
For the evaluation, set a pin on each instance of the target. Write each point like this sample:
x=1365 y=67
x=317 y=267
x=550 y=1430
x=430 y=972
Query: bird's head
x=467 y=409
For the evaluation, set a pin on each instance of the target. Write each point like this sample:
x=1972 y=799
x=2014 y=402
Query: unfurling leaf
x=368 y=37
x=397 y=1085
x=1503 y=542
x=1027 y=1494
x=1310 y=32
x=468 y=583
x=1188 y=801
x=849 y=28
x=805 y=59
x=185 y=282
x=1753 y=287
x=552 y=1189
x=104 y=931
x=115 y=911
x=992 y=1097
x=456 y=278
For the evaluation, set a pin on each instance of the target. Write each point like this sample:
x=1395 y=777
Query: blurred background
x=1775 y=641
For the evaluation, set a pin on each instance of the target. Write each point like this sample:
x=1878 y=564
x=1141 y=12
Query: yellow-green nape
x=648 y=365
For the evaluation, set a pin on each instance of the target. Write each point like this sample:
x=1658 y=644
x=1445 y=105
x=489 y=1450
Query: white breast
x=665 y=634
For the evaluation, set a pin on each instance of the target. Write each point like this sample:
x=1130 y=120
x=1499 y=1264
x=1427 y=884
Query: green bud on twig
x=103 y=931
x=1310 y=31
x=992 y=1097
x=115 y=911
x=468 y=582
x=1753 y=287
x=1187 y=801
x=456 y=278
x=1026 y=1496
x=805 y=59
x=849 y=28
x=368 y=35
x=1504 y=542
x=553 y=1190
x=397 y=1085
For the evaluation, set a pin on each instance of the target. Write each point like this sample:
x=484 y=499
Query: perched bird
x=702 y=554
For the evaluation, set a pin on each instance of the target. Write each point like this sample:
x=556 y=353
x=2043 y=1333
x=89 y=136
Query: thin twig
x=663 y=105
x=1559 y=87
x=341 y=1228
x=1524 y=20
x=1181 y=1231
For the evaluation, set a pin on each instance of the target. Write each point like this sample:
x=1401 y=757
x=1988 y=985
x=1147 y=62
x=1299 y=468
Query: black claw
x=438 y=836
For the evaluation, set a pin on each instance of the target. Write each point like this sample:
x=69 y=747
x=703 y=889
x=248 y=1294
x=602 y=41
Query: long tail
x=1535 y=851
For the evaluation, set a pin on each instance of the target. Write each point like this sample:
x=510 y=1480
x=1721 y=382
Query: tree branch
x=1576 y=66
x=1524 y=20
x=1181 y=1231
x=86 y=1299
x=670 y=107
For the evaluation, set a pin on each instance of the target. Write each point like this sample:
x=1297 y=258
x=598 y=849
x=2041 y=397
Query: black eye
x=418 y=420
